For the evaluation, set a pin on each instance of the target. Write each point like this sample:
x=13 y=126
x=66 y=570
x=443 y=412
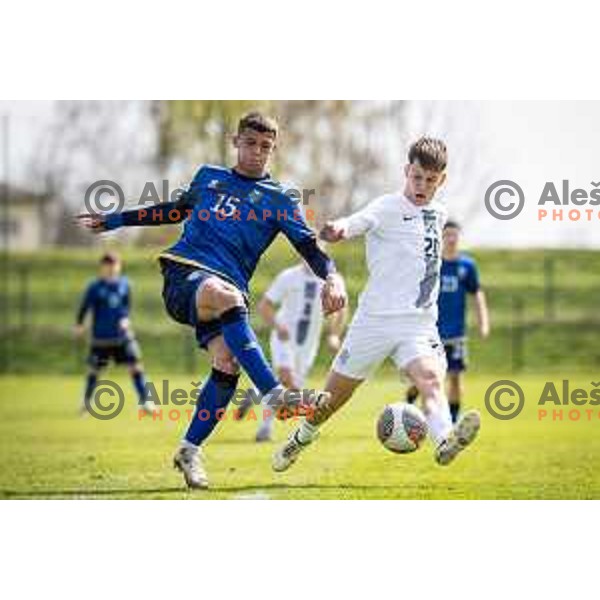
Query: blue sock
x=90 y=384
x=244 y=345
x=454 y=410
x=139 y=383
x=215 y=395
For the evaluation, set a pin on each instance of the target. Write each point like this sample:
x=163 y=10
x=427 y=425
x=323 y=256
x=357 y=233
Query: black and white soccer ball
x=401 y=427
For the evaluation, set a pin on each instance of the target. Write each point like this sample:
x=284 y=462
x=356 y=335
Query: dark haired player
x=232 y=215
x=459 y=277
x=397 y=312
x=109 y=300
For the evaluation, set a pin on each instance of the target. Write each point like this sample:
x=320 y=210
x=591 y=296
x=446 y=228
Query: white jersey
x=403 y=243
x=298 y=292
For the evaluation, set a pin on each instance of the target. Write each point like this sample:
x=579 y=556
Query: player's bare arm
x=482 y=314
x=267 y=311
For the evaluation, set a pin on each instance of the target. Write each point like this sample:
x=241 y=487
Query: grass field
x=46 y=451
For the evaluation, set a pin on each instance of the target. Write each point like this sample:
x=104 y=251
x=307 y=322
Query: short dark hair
x=257 y=121
x=110 y=258
x=450 y=224
x=430 y=153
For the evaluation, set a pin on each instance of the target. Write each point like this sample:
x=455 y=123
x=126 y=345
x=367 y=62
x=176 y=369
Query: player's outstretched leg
x=219 y=299
x=463 y=433
x=449 y=441
x=338 y=390
x=212 y=402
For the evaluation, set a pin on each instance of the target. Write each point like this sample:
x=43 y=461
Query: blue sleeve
x=303 y=238
x=320 y=263
x=472 y=281
x=165 y=213
x=86 y=303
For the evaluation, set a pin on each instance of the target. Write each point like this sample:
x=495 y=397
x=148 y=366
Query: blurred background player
x=108 y=298
x=459 y=277
x=292 y=310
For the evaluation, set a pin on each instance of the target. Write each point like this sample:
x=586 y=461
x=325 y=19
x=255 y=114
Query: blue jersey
x=109 y=301
x=459 y=277
x=232 y=221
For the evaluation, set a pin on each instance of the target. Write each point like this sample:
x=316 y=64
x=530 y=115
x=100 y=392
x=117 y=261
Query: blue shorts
x=180 y=284
x=456 y=354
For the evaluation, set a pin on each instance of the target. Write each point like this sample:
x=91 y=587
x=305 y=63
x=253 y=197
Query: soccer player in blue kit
x=459 y=277
x=232 y=215
x=108 y=299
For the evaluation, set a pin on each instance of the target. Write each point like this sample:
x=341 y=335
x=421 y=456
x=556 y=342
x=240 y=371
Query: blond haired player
x=397 y=311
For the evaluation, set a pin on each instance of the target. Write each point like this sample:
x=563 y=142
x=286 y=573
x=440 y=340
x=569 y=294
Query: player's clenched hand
x=333 y=296
x=332 y=232
x=94 y=223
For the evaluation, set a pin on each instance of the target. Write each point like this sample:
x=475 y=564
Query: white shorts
x=371 y=339
x=290 y=356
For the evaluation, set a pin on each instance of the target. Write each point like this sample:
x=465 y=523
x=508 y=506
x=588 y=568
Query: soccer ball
x=401 y=427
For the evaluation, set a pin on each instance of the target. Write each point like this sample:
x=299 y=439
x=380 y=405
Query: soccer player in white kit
x=291 y=308
x=397 y=311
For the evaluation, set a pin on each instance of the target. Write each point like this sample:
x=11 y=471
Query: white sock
x=188 y=446
x=439 y=420
x=306 y=432
x=275 y=395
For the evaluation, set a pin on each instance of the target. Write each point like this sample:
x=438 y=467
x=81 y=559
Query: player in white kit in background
x=291 y=308
x=397 y=311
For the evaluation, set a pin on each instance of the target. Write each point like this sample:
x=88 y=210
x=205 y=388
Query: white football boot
x=288 y=454
x=190 y=462
x=463 y=433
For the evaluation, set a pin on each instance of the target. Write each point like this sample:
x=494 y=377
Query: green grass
x=46 y=451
